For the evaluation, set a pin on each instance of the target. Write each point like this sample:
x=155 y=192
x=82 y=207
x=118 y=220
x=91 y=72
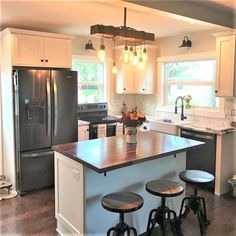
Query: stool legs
x=158 y=216
x=121 y=228
x=198 y=205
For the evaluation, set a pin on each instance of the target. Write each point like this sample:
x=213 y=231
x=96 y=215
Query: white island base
x=78 y=193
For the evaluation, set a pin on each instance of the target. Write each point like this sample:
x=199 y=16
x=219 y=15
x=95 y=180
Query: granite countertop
x=213 y=130
x=110 y=153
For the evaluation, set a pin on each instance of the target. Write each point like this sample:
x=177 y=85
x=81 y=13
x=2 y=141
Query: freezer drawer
x=36 y=170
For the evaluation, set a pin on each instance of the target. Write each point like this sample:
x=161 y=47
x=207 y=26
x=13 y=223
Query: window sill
x=216 y=113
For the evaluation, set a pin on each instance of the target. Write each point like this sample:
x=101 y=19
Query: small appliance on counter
x=97 y=114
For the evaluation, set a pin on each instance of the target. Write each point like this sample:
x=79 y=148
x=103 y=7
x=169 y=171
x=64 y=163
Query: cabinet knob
x=46 y=60
x=216 y=91
x=124 y=88
x=143 y=89
x=42 y=60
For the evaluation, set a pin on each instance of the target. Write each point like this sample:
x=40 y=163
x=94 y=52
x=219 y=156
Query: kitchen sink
x=167 y=126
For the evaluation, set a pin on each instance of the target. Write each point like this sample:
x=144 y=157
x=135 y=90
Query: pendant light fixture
x=101 y=52
x=129 y=36
x=114 y=69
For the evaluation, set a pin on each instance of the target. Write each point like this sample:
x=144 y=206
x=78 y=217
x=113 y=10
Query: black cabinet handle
x=124 y=88
x=42 y=60
x=46 y=60
x=143 y=89
x=216 y=91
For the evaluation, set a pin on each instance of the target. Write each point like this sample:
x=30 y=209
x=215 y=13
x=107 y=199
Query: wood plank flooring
x=33 y=214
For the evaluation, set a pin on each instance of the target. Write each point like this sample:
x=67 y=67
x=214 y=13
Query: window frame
x=94 y=59
x=162 y=86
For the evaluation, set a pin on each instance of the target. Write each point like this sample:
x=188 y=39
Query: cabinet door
x=57 y=52
x=140 y=79
x=125 y=79
x=83 y=133
x=225 y=76
x=27 y=50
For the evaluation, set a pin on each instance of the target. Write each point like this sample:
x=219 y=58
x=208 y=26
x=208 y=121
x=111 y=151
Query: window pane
x=91 y=87
x=191 y=71
x=202 y=96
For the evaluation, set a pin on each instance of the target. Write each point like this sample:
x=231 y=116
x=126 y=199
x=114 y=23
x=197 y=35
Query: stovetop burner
x=96 y=113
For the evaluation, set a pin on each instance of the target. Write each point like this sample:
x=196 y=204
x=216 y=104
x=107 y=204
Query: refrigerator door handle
x=55 y=106
x=48 y=125
x=39 y=154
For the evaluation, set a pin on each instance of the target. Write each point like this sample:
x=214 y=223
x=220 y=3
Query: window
x=195 y=78
x=91 y=80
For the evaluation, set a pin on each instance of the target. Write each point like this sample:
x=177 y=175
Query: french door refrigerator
x=45 y=104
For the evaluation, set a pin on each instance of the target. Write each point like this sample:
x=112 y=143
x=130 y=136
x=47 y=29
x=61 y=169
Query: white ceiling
x=76 y=17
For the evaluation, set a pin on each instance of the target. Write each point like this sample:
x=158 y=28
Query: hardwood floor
x=33 y=214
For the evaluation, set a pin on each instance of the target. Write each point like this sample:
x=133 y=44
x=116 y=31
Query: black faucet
x=182 y=107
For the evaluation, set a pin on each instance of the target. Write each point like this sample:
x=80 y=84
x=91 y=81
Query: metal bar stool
x=122 y=202
x=194 y=202
x=162 y=214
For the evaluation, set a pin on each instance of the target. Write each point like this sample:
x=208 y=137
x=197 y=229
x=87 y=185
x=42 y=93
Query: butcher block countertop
x=112 y=153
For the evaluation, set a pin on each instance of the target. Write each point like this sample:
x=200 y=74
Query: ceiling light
x=187 y=43
x=89 y=45
x=123 y=33
x=114 y=69
x=101 y=52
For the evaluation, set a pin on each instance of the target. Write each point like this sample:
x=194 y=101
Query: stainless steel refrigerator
x=45 y=103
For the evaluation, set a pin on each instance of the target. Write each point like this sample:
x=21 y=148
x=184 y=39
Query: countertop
x=215 y=130
x=111 y=153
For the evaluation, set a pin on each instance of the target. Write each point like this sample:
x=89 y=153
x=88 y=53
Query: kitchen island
x=85 y=171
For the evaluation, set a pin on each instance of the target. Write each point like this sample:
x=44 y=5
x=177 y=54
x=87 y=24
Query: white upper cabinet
x=131 y=79
x=41 y=50
x=225 y=66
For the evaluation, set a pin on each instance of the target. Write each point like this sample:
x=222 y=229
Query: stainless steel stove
x=96 y=114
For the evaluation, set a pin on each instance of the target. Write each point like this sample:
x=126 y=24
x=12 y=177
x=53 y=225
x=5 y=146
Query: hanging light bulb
x=140 y=63
x=114 y=69
x=101 y=52
x=126 y=55
x=135 y=60
x=131 y=54
x=144 y=55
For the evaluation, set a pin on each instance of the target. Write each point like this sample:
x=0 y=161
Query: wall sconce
x=187 y=43
x=89 y=45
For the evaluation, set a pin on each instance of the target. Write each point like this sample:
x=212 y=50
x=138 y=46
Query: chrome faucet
x=182 y=107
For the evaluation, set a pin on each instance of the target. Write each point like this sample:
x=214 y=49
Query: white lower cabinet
x=83 y=133
x=69 y=196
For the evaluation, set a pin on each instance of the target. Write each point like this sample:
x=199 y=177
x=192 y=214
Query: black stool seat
x=164 y=188
x=196 y=176
x=122 y=202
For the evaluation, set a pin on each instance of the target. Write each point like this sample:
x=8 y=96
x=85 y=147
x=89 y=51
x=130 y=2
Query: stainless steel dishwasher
x=201 y=158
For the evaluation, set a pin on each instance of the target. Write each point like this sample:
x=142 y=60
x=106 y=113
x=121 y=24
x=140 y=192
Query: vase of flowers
x=132 y=120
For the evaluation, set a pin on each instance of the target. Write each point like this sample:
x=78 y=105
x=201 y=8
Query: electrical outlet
x=233 y=112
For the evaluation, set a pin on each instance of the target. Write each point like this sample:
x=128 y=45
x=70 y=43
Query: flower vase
x=131 y=134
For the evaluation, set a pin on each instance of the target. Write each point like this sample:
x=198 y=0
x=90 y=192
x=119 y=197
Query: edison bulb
x=114 y=69
x=102 y=55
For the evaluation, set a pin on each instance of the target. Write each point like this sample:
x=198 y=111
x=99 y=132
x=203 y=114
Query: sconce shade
x=89 y=45
x=187 y=43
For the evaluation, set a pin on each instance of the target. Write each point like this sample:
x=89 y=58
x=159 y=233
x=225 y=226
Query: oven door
x=111 y=129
